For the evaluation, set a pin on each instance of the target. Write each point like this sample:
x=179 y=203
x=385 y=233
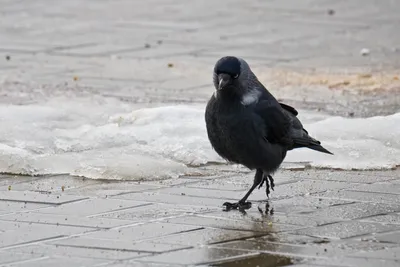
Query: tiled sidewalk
x=314 y=218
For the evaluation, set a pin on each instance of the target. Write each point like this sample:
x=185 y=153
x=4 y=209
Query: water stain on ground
x=261 y=260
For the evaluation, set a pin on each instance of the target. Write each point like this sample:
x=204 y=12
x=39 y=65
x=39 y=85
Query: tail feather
x=320 y=149
x=311 y=143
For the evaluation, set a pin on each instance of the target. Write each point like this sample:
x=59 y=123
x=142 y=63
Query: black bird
x=247 y=125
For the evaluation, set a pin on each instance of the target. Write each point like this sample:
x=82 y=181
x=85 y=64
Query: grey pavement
x=314 y=218
x=339 y=56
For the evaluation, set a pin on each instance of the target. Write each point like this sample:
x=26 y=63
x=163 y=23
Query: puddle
x=261 y=260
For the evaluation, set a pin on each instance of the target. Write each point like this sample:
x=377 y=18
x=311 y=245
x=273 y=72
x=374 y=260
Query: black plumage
x=247 y=125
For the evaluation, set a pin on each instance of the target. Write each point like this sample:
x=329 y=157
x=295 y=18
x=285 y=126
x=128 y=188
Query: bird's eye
x=236 y=76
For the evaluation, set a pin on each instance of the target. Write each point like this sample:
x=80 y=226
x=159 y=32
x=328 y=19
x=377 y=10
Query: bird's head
x=233 y=75
x=227 y=72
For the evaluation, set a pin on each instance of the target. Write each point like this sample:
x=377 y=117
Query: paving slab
x=387 y=253
x=53 y=184
x=348 y=176
x=304 y=204
x=387 y=188
x=392 y=237
x=306 y=187
x=283 y=249
x=355 y=211
x=263 y=227
x=110 y=244
x=206 y=236
x=203 y=193
x=353 y=261
x=145 y=231
x=17 y=206
x=43 y=250
x=392 y=218
x=67 y=220
x=174 y=181
x=61 y=261
x=11 y=257
x=10 y=180
x=309 y=249
x=289 y=238
x=263 y=215
x=346 y=229
x=40 y=198
x=23 y=233
x=93 y=206
x=155 y=212
x=351 y=196
x=197 y=256
x=142 y=264
x=156 y=197
x=106 y=189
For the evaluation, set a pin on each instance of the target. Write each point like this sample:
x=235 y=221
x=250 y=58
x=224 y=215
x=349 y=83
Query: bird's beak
x=223 y=80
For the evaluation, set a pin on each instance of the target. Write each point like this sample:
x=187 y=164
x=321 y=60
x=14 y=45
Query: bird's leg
x=242 y=204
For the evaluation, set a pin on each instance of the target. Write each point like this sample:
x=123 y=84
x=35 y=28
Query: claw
x=238 y=205
x=271 y=180
x=230 y=206
x=267 y=189
x=269 y=184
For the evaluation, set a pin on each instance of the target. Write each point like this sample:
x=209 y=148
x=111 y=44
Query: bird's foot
x=269 y=183
x=237 y=205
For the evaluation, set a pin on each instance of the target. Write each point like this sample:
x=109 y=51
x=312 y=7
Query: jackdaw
x=248 y=126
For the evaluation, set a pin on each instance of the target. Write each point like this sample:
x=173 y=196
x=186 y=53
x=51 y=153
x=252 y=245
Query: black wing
x=294 y=113
x=277 y=123
x=289 y=108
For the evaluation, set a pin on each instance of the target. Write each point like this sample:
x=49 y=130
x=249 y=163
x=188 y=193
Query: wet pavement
x=313 y=218
x=342 y=57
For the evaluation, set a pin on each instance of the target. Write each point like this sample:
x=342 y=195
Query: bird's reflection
x=250 y=251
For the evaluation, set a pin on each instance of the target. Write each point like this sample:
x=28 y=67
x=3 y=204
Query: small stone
x=8 y=57
x=76 y=78
x=147 y=45
x=170 y=65
x=62 y=188
x=9 y=188
x=331 y=12
x=365 y=75
x=351 y=114
x=159 y=42
x=364 y=52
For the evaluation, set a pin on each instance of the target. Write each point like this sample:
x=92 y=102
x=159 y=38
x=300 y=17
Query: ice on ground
x=107 y=140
